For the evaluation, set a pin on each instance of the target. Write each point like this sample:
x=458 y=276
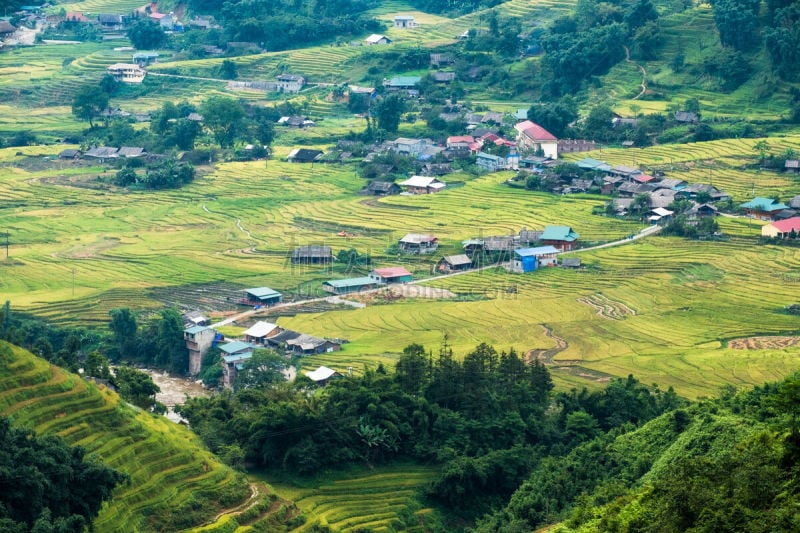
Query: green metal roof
x=195 y=329
x=764 y=204
x=235 y=346
x=262 y=292
x=350 y=282
x=404 y=81
x=559 y=233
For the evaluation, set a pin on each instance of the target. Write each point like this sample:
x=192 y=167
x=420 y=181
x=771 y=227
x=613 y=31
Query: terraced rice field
x=170 y=470
x=361 y=501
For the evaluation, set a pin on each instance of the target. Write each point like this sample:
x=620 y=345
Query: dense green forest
x=48 y=487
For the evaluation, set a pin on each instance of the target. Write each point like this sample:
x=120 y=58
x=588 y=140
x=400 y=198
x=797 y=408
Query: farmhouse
x=418 y=243
x=626 y=173
x=391 y=275
x=131 y=151
x=69 y=153
x=490 y=162
x=381 y=188
x=102 y=153
x=404 y=21
x=402 y=83
x=312 y=255
x=262 y=296
x=763 y=208
x=672 y=183
x=534 y=138
x=422 y=185
x=702 y=211
x=792 y=165
x=691 y=191
x=571 y=262
x=304 y=155
x=289 y=83
x=562 y=237
x=443 y=77
x=234 y=354
x=529 y=259
x=593 y=164
x=310 y=345
x=660 y=215
x=195 y=318
x=144 y=59
x=376 y=38
x=111 y=21
x=686 y=117
x=459 y=142
x=6 y=29
x=322 y=375
x=452 y=263
x=279 y=341
x=569 y=146
x=349 y=285
x=782 y=229
x=127 y=72
x=404 y=145
x=199 y=339
x=260 y=331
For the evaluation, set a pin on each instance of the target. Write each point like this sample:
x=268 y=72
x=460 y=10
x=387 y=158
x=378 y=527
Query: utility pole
x=6 y=245
x=73 y=282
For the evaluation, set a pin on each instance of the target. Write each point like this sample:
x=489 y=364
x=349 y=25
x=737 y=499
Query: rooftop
x=534 y=131
x=539 y=250
x=391 y=272
x=764 y=204
x=262 y=292
x=320 y=374
x=559 y=233
x=350 y=282
x=235 y=347
x=416 y=238
x=786 y=226
x=195 y=329
x=260 y=329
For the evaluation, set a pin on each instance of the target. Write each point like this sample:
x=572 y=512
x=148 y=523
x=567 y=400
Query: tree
x=762 y=148
x=171 y=350
x=263 y=369
x=736 y=21
x=89 y=102
x=554 y=117
x=96 y=366
x=136 y=387
x=123 y=326
x=641 y=203
x=228 y=70
x=146 y=34
x=223 y=116
x=388 y=112
x=109 y=85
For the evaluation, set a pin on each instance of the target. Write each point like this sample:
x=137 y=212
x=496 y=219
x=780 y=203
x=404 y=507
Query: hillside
x=175 y=483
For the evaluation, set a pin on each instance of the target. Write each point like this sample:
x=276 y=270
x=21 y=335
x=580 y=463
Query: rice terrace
x=422 y=255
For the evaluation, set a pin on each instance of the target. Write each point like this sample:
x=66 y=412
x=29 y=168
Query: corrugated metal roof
x=539 y=250
x=350 y=282
x=262 y=292
x=260 y=329
x=236 y=346
x=195 y=329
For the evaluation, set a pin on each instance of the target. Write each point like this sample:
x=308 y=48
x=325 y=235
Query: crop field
x=373 y=500
x=170 y=470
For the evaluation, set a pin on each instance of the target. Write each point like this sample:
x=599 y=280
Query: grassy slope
x=171 y=472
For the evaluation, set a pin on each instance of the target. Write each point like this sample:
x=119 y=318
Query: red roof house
x=391 y=275
x=533 y=137
x=781 y=229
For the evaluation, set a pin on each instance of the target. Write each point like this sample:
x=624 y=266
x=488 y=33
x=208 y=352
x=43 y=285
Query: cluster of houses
x=105 y=153
x=200 y=338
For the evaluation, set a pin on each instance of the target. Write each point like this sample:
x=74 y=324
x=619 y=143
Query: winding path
x=641 y=69
x=569 y=366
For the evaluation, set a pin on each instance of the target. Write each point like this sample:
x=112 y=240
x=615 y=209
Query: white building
x=534 y=138
x=404 y=21
x=127 y=72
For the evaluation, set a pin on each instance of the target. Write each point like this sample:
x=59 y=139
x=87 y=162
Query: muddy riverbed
x=174 y=391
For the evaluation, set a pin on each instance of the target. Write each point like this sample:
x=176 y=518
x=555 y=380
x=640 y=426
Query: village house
x=278 y=342
x=662 y=197
x=404 y=21
x=323 y=375
x=404 y=145
x=660 y=215
x=436 y=169
x=701 y=211
x=438 y=59
x=388 y=275
x=530 y=259
x=402 y=83
x=571 y=262
x=792 y=165
x=593 y=164
x=644 y=178
x=304 y=155
x=534 y=138
x=459 y=143
x=691 y=191
x=75 y=16
x=562 y=237
x=794 y=203
x=349 y=285
x=131 y=151
x=686 y=117
x=296 y=121
x=69 y=153
x=262 y=296
x=289 y=83
x=312 y=255
x=422 y=185
x=381 y=188
x=623 y=122
x=144 y=59
x=672 y=183
x=195 y=318
x=763 y=208
x=454 y=263
x=490 y=162
x=101 y=153
x=6 y=29
x=126 y=72
x=782 y=229
x=234 y=355
x=376 y=38
x=626 y=173
x=418 y=243
x=569 y=146
x=260 y=331
x=111 y=21
x=443 y=77
x=309 y=345
x=199 y=339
